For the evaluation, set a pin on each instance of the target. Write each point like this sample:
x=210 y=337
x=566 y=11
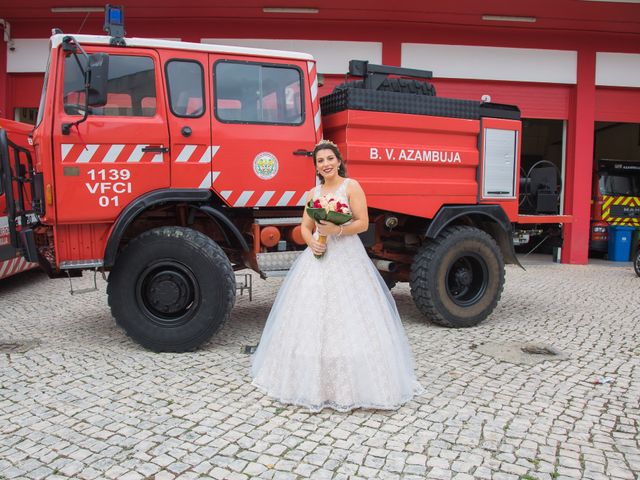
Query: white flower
x=323 y=202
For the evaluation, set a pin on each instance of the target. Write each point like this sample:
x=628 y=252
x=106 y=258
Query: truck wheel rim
x=467 y=279
x=168 y=293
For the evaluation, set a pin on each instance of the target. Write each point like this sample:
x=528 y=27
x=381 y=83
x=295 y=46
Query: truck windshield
x=44 y=91
x=614 y=184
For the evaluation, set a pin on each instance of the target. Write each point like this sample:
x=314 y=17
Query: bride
x=334 y=336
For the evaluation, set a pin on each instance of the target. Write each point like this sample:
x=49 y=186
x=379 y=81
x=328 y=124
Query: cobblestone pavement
x=78 y=399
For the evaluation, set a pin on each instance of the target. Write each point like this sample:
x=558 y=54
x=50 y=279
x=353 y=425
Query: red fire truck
x=11 y=262
x=616 y=199
x=171 y=165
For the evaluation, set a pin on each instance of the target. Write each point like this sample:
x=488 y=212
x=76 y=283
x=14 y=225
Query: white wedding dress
x=334 y=336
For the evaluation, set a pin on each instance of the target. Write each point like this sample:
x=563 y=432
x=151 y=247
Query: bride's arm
x=307 y=227
x=358 y=203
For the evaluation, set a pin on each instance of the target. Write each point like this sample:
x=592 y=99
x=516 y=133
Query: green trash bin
x=635 y=239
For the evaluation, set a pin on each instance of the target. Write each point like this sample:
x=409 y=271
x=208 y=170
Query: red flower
x=316 y=204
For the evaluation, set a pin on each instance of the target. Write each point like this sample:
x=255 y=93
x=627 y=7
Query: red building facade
x=570 y=65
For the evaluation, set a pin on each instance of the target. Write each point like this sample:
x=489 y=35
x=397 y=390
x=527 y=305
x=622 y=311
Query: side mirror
x=98 y=73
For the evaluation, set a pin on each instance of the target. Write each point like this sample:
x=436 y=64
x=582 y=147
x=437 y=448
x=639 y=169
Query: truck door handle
x=155 y=148
x=303 y=152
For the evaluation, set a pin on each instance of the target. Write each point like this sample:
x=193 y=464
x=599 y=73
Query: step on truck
x=171 y=165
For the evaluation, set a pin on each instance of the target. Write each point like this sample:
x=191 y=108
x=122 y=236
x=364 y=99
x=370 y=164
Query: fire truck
x=616 y=199
x=169 y=166
x=11 y=262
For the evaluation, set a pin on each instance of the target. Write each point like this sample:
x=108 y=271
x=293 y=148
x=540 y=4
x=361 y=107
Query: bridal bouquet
x=328 y=209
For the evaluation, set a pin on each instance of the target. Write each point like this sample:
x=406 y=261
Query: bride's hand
x=316 y=247
x=328 y=228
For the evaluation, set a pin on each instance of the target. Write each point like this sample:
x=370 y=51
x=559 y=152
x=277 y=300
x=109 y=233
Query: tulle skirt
x=334 y=337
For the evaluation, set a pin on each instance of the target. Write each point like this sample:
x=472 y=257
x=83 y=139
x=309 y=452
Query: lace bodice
x=339 y=194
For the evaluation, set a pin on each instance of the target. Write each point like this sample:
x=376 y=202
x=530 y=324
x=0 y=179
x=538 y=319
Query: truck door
x=262 y=124
x=121 y=151
x=189 y=118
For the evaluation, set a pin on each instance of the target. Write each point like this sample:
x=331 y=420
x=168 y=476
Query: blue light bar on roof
x=115 y=15
x=114 y=23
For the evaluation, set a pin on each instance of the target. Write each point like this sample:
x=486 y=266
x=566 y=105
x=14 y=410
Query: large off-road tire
x=636 y=263
x=457 y=278
x=171 y=289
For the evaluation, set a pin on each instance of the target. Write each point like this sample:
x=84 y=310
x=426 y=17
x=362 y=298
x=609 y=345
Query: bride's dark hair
x=329 y=145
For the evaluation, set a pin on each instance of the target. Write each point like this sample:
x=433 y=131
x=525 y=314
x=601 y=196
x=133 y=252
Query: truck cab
x=176 y=118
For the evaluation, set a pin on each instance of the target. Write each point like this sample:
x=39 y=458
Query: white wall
x=492 y=63
x=28 y=55
x=618 y=69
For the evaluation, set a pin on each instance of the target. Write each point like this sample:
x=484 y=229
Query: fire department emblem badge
x=265 y=165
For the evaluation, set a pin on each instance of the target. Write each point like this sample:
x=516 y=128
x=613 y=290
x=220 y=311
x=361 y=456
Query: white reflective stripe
x=87 y=153
x=309 y=66
x=316 y=120
x=137 y=154
x=303 y=200
x=214 y=150
x=22 y=263
x=65 y=149
x=206 y=156
x=112 y=154
x=157 y=158
x=9 y=270
x=314 y=89
x=4 y=267
x=185 y=154
x=284 y=199
x=8 y=267
x=16 y=263
x=264 y=199
x=208 y=180
x=243 y=198
x=226 y=194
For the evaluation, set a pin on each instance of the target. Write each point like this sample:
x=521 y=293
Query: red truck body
x=415 y=168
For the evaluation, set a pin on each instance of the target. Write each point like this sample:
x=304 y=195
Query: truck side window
x=185 y=80
x=257 y=93
x=131 y=88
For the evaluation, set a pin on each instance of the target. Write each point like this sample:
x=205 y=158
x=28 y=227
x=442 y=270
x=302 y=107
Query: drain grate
x=526 y=353
x=17 y=346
